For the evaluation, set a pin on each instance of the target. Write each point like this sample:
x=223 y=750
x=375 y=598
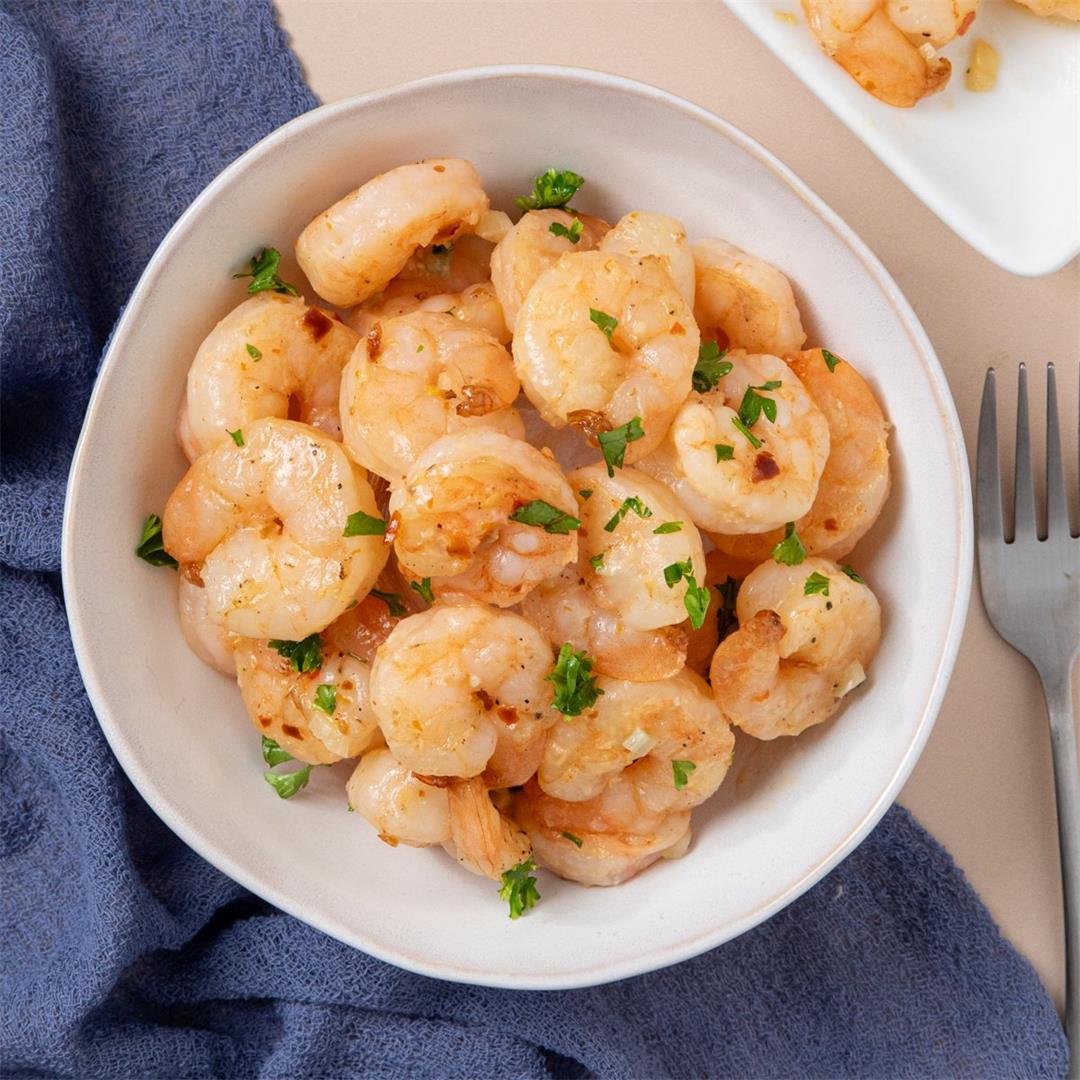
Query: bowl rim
x=600 y=972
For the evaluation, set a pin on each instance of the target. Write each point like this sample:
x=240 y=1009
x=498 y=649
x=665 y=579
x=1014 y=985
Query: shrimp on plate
x=418 y=377
x=856 y=479
x=533 y=245
x=642 y=233
x=806 y=636
x=448 y=681
x=273 y=355
x=748 y=455
x=743 y=301
x=635 y=532
x=264 y=523
x=352 y=250
x=484 y=515
x=889 y=47
x=604 y=340
x=476 y=307
x=206 y=637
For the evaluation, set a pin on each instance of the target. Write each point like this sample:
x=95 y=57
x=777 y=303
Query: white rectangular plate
x=1001 y=168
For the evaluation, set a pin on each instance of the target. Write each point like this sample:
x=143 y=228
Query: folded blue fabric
x=126 y=955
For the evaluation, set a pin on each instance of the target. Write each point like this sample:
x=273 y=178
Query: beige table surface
x=983 y=786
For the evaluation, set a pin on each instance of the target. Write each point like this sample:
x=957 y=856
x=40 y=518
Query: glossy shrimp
x=856 y=479
x=747 y=456
x=416 y=378
x=273 y=355
x=603 y=339
x=353 y=249
x=206 y=637
x=263 y=526
x=476 y=307
x=642 y=233
x=806 y=636
x=448 y=680
x=743 y=301
x=470 y=515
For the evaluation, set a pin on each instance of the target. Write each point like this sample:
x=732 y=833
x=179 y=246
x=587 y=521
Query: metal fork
x=1031 y=591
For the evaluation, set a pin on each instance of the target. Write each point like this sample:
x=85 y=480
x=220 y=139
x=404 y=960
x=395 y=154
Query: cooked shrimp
x=602 y=841
x=889 y=46
x=454 y=523
x=446 y=680
x=264 y=524
x=418 y=377
x=271 y=356
x=477 y=307
x=602 y=339
x=353 y=249
x=795 y=656
x=625 y=555
x=206 y=638
x=642 y=233
x=735 y=480
x=743 y=301
x=443 y=268
x=314 y=725
x=855 y=482
x=482 y=839
x=399 y=806
x=530 y=247
x=567 y=609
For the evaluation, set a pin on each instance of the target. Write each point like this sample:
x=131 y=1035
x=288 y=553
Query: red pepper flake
x=507 y=714
x=293 y=732
x=316 y=323
x=485 y=699
x=765 y=467
x=830 y=525
x=969 y=18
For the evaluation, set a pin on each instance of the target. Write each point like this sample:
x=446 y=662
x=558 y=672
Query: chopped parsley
x=151 y=548
x=393 y=601
x=604 y=321
x=547 y=517
x=424 y=589
x=724 y=451
x=575 y=840
x=519 y=888
x=682 y=771
x=361 y=524
x=851 y=574
x=710 y=368
x=551 y=190
x=273 y=754
x=725 y=613
x=255 y=354
x=753 y=404
x=264 y=274
x=326 y=698
x=816 y=583
x=304 y=655
x=751 y=438
x=288 y=784
x=613 y=443
x=632 y=503
x=573 y=234
x=596 y=561
x=674 y=573
x=586 y=493
x=696 y=598
x=790 y=550
x=830 y=360
x=575 y=687
x=668 y=527
x=237 y=436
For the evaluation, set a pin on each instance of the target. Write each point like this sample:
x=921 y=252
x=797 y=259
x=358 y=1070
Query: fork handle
x=1058 y=689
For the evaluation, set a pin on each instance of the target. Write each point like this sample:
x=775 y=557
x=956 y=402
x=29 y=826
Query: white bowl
x=788 y=812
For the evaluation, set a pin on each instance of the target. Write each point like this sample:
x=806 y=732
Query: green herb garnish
x=551 y=190
x=304 y=655
x=725 y=614
x=264 y=274
x=851 y=574
x=573 y=234
x=613 y=443
x=604 y=321
x=575 y=840
x=674 y=573
x=830 y=360
x=547 y=517
x=424 y=589
x=753 y=404
x=393 y=601
x=710 y=368
x=790 y=550
x=273 y=754
x=288 y=784
x=631 y=503
x=519 y=888
x=668 y=527
x=724 y=451
x=255 y=354
x=361 y=524
x=237 y=436
x=751 y=438
x=596 y=561
x=575 y=687
x=151 y=548
x=586 y=493
x=816 y=583
x=682 y=771
x=326 y=698
x=696 y=598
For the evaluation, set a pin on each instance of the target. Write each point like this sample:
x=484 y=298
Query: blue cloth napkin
x=126 y=955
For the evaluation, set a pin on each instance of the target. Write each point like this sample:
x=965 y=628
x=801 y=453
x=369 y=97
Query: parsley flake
x=710 y=368
x=753 y=404
x=830 y=360
x=237 y=436
x=264 y=274
x=575 y=840
x=586 y=493
x=393 y=601
x=674 y=573
x=613 y=443
x=726 y=620
x=519 y=888
x=361 y=524
x=575 y=687
x=273 y=754
x=696 y=598
x=668 y=527
x=682 y=771
x=724 y=451
x=303 y=655
x=596 y=561
x=547 y=517
x=790 y=550
x=424 y=589
x=151 y=548
x=604 y=321
x=632 y=503
x=751 y=438
x=326 y=698
x=551 y=190
x=851 y=574
x=288 y=784
x=573 y=234
x=255 y=354
x=816 y=583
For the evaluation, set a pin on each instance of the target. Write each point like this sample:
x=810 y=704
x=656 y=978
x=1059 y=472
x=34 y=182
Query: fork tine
x=1057 y=507
x=987 y=481
x=1023 y=489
